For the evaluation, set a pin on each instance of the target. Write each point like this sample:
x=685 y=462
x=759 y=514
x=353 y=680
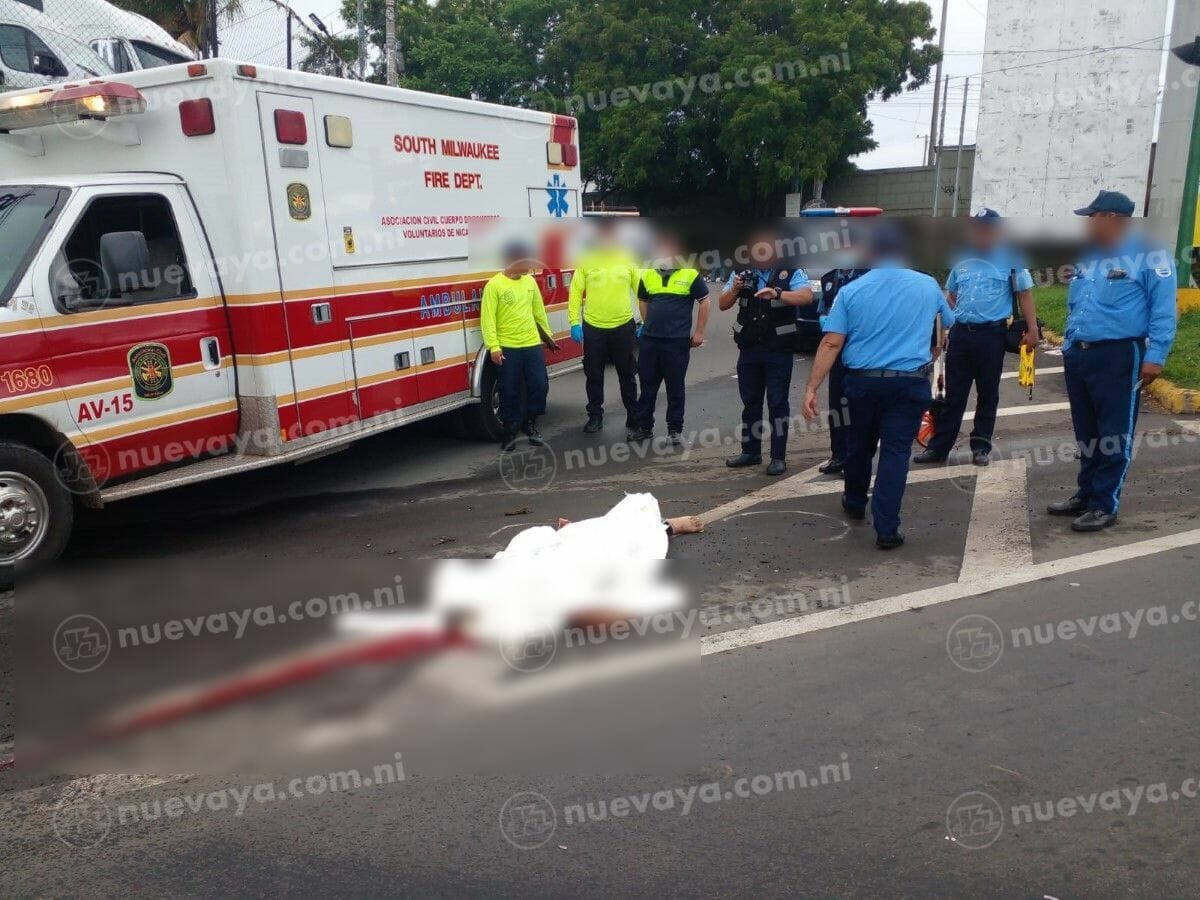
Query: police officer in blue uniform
x=881 y=325
x=765 y=333
x=981 y=287
x=1120 y=326
x=839 y=416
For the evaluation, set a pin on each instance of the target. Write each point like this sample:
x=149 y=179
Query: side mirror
x=47 y=64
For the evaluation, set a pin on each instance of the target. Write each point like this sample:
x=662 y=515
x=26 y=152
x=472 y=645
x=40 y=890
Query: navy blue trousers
x=885 y=415
x=839 y=414
x=524 y=369
x=1104 y=388
x=975 y=357
x=765 y=373
x=662 y=360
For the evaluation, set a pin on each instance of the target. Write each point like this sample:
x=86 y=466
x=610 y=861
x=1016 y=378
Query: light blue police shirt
x=887 y=316
x=983 y=285
x=1124 y=293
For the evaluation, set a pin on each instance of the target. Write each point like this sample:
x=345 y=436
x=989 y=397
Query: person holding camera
x=765 y=333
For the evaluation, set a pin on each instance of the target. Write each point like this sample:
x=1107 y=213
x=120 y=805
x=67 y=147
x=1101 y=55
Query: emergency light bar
x=96 y=100
x=853 y=211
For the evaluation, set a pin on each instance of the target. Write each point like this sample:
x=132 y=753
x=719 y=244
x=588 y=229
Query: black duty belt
x=922 y=372
x=982 y=326
x=1088 y=345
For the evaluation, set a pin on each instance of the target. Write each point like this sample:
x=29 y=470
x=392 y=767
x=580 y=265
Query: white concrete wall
x=1175 y=128
x=1050 y=135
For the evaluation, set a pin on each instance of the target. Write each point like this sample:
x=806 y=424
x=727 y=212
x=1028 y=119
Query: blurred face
x=763 y=250
x=983 y=236
x=1106 y=228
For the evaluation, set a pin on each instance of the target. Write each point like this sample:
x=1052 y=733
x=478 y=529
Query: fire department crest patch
x=299 y=203
x=150 y=368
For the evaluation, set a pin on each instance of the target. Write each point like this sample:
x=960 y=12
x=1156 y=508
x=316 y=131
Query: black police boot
x=531 y=432
x=1074 y=506
x=980 y=458
x=853 y=512
x=776 y=467
x=675 y=437
x=594 y=424
x=508 y=443
x=639 y=434
x=832 y=466
x=929 y=456
x=742 y=460
x=889 y=541
x=1094 y=520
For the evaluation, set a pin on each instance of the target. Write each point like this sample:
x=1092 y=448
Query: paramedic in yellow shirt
x=600 y=311
x=515 y=328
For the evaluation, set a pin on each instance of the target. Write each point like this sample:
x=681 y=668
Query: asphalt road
x=1000 y=708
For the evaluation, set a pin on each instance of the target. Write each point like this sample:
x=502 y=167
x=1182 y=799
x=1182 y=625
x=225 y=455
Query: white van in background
x=34 y=52
x=123 y=39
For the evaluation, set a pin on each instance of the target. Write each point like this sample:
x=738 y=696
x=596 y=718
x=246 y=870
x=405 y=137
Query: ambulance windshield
x=25 y=214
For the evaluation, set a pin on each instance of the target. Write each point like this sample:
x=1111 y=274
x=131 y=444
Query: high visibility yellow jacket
x=511 y=311
x=604 y=285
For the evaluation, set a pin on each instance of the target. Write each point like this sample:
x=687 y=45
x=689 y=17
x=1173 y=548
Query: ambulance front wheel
x=483 y=418
x=36 y=511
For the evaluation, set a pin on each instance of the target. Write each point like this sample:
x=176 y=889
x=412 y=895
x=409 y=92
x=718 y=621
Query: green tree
x=680 y=105
x=186 y=20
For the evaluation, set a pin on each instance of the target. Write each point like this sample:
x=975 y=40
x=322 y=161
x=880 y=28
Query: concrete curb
x=1176 y=400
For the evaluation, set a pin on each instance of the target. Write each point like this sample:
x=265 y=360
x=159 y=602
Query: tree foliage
x=680 y=105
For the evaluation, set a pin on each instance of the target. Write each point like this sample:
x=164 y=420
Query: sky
x=901 y=123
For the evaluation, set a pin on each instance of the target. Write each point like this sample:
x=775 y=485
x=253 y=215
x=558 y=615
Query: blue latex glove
x=638 y=334
x=577 y=333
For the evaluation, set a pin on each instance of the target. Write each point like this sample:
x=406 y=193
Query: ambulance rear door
x=318 y=332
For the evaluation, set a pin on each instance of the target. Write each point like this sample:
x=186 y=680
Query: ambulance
x=214 y=267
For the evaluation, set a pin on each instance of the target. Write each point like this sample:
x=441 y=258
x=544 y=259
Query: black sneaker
x=594 y=424
x=1094 y=520
x=639 y=434
x=508 y=443
x=980 y=458
x=1074 y=506
x=535 y=436
x=675 y=437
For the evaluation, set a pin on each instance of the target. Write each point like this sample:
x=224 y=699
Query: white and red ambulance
x=213 y=267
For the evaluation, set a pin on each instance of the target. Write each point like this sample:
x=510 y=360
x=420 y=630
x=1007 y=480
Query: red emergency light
x=96 y=100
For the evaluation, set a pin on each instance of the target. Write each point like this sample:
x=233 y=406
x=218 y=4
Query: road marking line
x=786 y=489
x=1049 y=370
x=998 y=536
x=1191 y=427
x=872 y=609
x=1006 y=411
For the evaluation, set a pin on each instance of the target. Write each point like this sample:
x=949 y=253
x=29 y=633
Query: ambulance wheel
x=36 y=510
x=482 y=419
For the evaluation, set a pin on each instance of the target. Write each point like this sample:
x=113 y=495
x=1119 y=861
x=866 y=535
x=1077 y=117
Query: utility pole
x=937 y=79
x=962 y=127
x=214 y=47
x=389 y=39
x=362 y=43
x=937 y=170
x=289 y=39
